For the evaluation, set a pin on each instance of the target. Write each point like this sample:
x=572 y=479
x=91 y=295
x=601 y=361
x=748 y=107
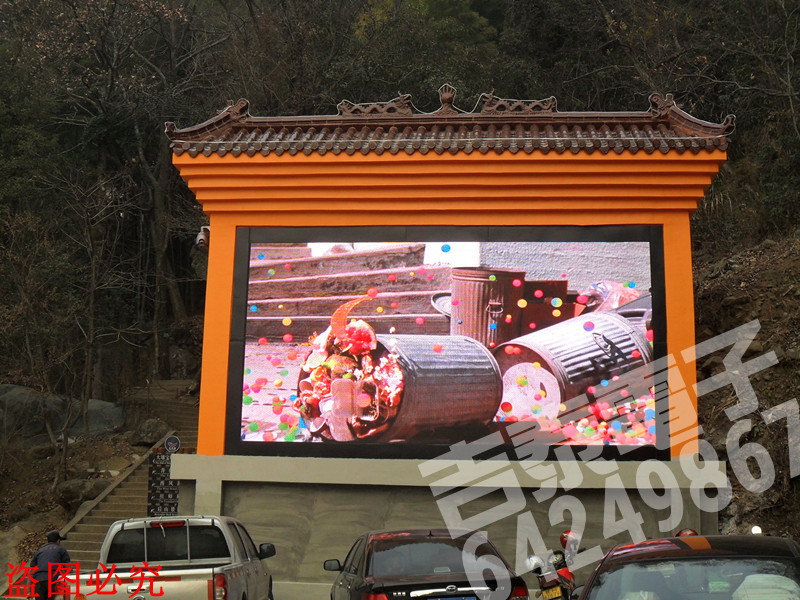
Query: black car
x=424 y=564
x=720 y=567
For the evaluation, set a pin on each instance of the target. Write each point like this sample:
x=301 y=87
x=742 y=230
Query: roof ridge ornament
x=728 y=125
x=397 y=106
x=492 y=105
x=447 y=95
x=661 y=105
x=236 y=111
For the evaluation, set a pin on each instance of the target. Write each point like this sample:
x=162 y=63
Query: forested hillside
x=97 y=264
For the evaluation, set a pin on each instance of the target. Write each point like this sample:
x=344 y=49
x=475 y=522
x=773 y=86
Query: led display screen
x=401 y=341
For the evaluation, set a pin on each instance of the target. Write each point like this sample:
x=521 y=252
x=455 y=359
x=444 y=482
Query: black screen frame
x=245 y=236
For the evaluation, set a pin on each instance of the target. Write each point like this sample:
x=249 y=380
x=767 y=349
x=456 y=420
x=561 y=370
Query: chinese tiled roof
x=499 y=126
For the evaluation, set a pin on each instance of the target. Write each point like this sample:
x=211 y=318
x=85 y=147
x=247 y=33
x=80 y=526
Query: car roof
x=419 y=534
x=720 y=546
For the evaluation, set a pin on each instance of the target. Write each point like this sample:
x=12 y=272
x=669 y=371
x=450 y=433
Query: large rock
x=149 y=432
x=21 y=410
x=103 y=417
x=21 y=413
x=74 y=492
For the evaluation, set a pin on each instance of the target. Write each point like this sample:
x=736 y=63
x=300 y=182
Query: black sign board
x=162 y=492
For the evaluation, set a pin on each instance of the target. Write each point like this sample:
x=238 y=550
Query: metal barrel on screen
x=449 y=382
x=544 y=369
x=485 y=304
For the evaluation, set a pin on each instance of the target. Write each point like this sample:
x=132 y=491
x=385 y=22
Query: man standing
x=51 y=553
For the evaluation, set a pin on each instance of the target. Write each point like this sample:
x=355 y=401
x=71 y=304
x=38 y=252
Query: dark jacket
x=44 y=556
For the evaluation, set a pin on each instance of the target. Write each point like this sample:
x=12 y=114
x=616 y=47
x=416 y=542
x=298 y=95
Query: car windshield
x=391 y=557
x=690 y=579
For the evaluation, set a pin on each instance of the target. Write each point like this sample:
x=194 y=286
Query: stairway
x=309 y=289
x=291 y=298
x=127 y=496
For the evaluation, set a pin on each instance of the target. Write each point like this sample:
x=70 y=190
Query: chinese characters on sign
x=162 y=492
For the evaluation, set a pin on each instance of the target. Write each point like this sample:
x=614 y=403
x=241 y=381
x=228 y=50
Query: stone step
x=180 y=423
x=85 y=528
x=122 y=511
x=167 y=384
x=352 y=283
x=303 y=327
x=167 y=388
x=130 y=499
x=114 y=512
x=132 y=488
x=174 y=409
x=123 y=495
x=135 y=482
x=278 y=251
x=185 y=416
x=83 y=534
x=74 y=544
x=187 y=430
x=390 y=303
x=87 y=558
x=395 y=257
x=100 y=521
x=173 y=402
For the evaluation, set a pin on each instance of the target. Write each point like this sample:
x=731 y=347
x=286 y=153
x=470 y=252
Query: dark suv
x=733 y=567
x=424 y=564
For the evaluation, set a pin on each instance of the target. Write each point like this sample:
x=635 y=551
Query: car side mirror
x=332 y=564
x=576 y=593
x=266 y=550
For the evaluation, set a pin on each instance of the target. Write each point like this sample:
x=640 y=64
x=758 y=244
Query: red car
x=721 y=567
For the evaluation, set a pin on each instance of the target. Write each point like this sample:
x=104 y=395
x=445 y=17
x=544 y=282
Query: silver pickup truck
x=198 y=558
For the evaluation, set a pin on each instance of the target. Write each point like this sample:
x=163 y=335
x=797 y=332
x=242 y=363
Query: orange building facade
x=511 y=166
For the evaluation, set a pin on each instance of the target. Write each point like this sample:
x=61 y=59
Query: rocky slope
x=763 y=284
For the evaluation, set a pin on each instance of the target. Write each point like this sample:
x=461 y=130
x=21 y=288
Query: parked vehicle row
x=215 y=558
x=432 y=564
